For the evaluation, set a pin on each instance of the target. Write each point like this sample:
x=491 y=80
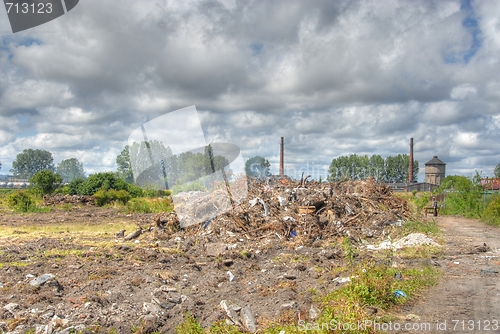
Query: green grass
x=429 y=227
x=14 y=264
x=149 y=205
x=30 y=231
x=372 y=285
x=190 y=325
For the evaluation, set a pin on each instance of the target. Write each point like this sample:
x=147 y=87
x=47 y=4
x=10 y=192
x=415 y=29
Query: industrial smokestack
x=282 y=147
x=410 y=168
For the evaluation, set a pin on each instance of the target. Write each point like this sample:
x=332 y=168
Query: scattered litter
x=231 y=310
x=400 y=294
x=254 y=201
x=231 y=276
x=40 y=280
x=411 y=240
x=342 y=279
x=248 y=319
x=314 y=312
x=489 y=271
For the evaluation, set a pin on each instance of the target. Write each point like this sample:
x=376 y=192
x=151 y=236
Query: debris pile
x=68 y=199
x=309 y=210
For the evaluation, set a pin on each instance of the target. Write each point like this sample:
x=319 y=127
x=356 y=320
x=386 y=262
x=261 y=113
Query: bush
x=491 y=214
x=23 y=201
x=464 y=197
x=45 y=181
x=75 y=187
x=106 y=181
x=20 y=201
x=103 y=197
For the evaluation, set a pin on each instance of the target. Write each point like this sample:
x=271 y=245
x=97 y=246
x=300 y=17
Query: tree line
x=359 y=167
x=30 y=161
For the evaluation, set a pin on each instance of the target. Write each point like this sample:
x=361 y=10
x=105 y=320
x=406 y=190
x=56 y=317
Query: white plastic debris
x=40 y=280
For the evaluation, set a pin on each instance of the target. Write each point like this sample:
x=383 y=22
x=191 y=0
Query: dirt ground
x=468 y=297
x=101 y=283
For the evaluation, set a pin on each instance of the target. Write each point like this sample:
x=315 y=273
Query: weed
x=190 y=325
x=348 y=251
x=245 y=254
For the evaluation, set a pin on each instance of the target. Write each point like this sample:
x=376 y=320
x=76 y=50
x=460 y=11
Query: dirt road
x=468 y=297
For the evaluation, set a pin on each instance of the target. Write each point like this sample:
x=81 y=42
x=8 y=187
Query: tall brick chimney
x=282 y=148
x=410 y=168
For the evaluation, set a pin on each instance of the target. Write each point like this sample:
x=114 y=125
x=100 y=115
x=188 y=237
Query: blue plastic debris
x=293 y=234
x=399 y=294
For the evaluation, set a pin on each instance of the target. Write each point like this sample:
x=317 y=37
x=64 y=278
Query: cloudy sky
x=332 y=77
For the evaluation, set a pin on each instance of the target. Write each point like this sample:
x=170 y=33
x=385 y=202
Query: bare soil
x=101 y=283
x=104 y=283
x=468 y=297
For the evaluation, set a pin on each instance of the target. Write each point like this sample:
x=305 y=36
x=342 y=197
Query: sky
x=332 y=77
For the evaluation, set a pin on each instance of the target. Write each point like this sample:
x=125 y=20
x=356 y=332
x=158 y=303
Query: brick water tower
x=435 y=171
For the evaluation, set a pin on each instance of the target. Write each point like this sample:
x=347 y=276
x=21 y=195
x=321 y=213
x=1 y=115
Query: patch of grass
x=62 y=253
x=28 y=231
x=372 y=285
x=429 y=227
x=286 y=258
x=149 y=205
x=172 y=251
x=420 y=252
x=14 y=264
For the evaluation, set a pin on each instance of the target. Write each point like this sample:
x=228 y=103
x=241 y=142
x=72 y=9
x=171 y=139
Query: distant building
x=11 y=182
x=435 y=171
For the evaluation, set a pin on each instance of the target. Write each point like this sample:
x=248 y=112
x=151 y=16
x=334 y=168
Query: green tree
x=215 y=163
x=30 y=161
x=496 y=171
x=70 y=169
x=152 y=164
x=45 y=181
x=257 y=167
x=124 y=169
x=191 y=166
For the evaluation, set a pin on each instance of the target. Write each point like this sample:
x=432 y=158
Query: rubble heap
x=310 y=210
x=68 y=199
